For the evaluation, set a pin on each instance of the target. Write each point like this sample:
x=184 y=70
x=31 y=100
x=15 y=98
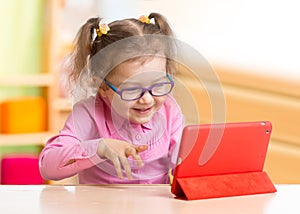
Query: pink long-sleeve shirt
x=74 y=149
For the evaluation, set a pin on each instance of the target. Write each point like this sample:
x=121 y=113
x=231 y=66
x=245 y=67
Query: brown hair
x=102 y=53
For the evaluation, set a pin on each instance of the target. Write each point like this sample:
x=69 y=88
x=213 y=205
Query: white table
x=141 y=199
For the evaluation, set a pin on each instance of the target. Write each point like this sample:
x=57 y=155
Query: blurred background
x=252 y=47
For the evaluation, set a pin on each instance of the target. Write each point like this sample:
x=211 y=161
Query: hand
x=118 y=151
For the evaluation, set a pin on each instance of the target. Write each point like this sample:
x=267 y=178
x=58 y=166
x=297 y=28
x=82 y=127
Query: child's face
x=138 y=73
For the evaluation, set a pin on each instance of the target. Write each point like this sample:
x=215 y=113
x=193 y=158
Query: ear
x=102 y=90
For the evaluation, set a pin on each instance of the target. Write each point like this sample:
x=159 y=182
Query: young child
x=129 y=130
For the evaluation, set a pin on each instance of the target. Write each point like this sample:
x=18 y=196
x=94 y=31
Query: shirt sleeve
x=71 y=151
x=177 y=124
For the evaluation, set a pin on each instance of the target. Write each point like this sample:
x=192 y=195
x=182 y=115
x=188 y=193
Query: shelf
x=25 y=139
x=27 y=80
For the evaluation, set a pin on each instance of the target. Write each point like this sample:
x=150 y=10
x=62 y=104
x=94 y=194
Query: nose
x=146 y=98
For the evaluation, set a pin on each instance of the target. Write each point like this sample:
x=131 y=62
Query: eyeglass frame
x=144 y=90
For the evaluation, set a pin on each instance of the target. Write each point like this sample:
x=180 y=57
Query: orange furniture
x=23 y=115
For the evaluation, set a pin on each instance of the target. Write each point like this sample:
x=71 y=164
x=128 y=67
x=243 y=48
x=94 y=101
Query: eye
x=161 y=88
x=131 y=90
x=131 y=93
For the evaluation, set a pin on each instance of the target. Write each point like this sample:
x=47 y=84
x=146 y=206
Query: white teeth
x=142 y=110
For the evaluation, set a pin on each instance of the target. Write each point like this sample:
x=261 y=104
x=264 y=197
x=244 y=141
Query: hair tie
x=145 y=19
x=102 y=29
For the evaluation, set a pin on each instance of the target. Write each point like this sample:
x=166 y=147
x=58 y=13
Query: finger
x=131 y=151
x=126 y=167
x=135 y=149
x=117 y=165
x=115 y=160
x=141 y=148
x=139 y=160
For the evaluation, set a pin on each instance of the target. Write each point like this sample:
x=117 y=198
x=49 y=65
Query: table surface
x=140 y=199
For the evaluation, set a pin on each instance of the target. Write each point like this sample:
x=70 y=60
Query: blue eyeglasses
x=135 y=93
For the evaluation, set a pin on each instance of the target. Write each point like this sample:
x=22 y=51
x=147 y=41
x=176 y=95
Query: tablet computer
x=220 y=149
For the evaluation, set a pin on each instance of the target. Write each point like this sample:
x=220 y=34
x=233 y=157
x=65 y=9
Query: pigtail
x=169 y=44
x=161 y=22
x=82 y=48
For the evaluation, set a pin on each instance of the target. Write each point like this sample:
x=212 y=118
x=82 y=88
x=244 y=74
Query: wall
x=259 y=34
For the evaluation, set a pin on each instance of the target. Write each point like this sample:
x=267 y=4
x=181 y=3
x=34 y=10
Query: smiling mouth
x=142 y=111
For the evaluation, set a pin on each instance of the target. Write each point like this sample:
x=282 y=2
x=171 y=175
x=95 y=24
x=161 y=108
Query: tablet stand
x=217 y=186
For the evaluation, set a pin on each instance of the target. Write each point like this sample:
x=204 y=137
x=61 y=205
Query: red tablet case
x=221 y=160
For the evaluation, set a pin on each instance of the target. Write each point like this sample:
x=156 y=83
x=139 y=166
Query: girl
x=132 y=125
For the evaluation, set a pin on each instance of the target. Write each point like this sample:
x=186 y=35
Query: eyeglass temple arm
x=111 y=86
x=169 y=77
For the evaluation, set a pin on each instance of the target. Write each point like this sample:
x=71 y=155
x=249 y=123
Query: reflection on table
x=137 y=199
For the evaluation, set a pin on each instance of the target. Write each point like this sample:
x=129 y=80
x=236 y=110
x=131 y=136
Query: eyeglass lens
x=158 y=89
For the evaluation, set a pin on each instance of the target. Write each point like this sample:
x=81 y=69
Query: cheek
x=160 y=100
x=119 y=105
